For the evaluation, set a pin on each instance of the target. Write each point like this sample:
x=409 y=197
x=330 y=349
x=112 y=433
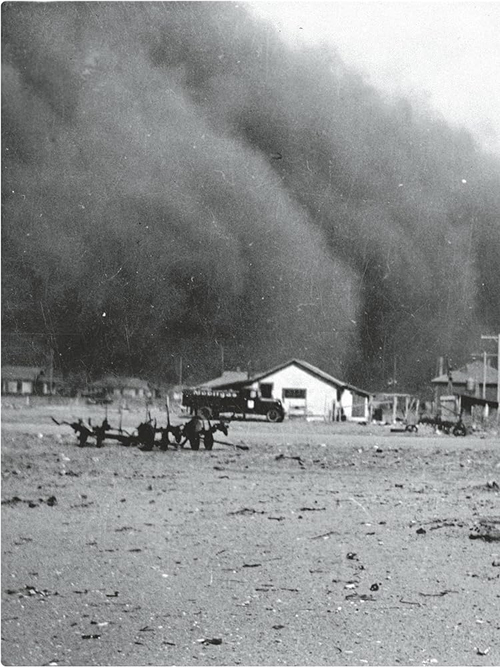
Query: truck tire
x=205 y=412
x=273 y=415
x=195 y=444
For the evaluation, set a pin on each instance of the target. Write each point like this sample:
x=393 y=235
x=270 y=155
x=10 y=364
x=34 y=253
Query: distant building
x=121 y=387
x=28 y=381
x=305 y=391
x=474 y=379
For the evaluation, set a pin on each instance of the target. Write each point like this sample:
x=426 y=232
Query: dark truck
x=214 y=402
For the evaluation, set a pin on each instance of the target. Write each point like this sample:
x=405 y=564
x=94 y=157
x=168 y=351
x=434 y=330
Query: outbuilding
x=307 y=391
x=476 y=379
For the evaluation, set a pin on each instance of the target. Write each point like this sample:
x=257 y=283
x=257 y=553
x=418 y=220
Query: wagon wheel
x=459 y=430
x=273 y=415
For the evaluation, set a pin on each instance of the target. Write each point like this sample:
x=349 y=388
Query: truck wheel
x=195 y=444
x=273 y=415
x=205 y=412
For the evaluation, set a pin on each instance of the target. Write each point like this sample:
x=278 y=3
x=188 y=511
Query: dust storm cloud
x=176 y=179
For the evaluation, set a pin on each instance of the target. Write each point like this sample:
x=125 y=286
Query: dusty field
x=117 y=557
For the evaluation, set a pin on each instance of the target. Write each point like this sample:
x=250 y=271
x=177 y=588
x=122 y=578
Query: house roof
x=28 y=373
x=116 y=382
x=313 y=370
x=227 y=378
x=474 y=370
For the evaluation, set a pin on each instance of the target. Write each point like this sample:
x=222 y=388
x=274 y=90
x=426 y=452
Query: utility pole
x=485 y=361
x=497 y=339
x=180 y=371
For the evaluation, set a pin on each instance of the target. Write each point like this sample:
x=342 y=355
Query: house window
x=266 y=389
x=294 y=393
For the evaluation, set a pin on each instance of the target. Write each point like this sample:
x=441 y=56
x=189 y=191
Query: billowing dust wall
x=176 y=179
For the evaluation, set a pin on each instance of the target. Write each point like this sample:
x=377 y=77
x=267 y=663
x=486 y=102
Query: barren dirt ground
x=358 y=552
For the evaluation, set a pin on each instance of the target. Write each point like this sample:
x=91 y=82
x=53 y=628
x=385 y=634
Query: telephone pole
x=497 y=339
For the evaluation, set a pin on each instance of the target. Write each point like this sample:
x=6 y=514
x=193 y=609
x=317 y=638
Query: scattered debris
x=482 y=651
x=294 y=458
x=31 y=591
x=213 y=640
x=247 y=510
x=375 y=587
x=417 y=604
x=325 y=536
x=352 y=556
x=311 y=509
x=252 y=564
x=438 y=595
x=487 y=529
x=14 y=500
x=421 y=531
x=278 y=627
x=360 y=596
x=447 y=524
x=91 y=636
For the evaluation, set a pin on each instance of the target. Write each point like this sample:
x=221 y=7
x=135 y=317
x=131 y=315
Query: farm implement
x=144 y=436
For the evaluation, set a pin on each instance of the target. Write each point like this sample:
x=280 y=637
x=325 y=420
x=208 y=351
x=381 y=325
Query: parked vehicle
x=214 y=402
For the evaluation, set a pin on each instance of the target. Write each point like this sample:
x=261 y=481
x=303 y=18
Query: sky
x=445 y=54
x=180 y=177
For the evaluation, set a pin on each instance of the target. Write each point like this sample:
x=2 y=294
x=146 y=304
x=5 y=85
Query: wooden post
x=394 y=408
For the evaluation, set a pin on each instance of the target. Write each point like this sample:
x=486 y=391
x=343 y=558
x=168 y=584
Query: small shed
x=307 y=391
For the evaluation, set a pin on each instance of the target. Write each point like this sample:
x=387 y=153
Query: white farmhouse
x=307 y=391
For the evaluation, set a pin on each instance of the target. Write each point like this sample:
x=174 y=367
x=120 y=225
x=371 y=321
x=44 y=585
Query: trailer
x=244 y=402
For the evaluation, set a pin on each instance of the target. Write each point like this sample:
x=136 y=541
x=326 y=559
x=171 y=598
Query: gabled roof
x=22 y=373
x=227 y=378
x=474 y=371
x=313 y=370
